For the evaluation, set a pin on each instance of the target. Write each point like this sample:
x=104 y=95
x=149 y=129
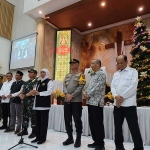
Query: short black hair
x=98 y=61
x=1 y=77
x=9 y=73
x=19 y=72
x=125 y=58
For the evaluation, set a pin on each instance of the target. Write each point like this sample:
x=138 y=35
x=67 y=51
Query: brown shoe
x=17 y=131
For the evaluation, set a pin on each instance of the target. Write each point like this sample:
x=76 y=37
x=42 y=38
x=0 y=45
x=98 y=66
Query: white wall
x=22 y=25
x=5 y=47
x=31 y=4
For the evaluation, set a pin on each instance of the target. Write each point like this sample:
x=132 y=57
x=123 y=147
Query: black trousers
x=130 y=113
x=41 y=124
x=5 y=113
x=96 y=124
x=73 y=109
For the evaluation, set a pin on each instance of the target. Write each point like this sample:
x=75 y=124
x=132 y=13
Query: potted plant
x=60 y=96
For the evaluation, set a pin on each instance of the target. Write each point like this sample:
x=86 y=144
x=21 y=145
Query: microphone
x=36 y=78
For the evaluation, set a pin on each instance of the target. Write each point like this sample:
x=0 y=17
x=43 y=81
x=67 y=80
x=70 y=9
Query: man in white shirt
x=5 y=103
x=123 y=87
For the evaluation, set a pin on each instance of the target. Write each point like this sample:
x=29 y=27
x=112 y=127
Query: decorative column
x=40 y=43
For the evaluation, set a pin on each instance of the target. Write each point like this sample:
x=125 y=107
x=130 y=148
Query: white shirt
x=45 y=93
x=5 y=90
x=125 y=83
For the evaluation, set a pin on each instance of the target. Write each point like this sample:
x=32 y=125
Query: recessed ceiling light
x=103 y=4
x=46 y=17
x=40 y=12
x=141 y=8
x=89 y=24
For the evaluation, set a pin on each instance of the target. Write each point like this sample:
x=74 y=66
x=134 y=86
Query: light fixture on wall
x=46 y=17
x=103 y=4
x=89 y=24
x=40 y=12
x=140 y=8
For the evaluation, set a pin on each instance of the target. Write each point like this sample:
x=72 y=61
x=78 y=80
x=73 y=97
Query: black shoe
x=23 y=133
x=9 y=130
x=32 y=135
x=100 y=148
x=17 y=131
x=40 y=142
x=93 y=145
x=68 y=142
x=35 y=140
x=77 y=143
x=120 y=148
x=3 y=127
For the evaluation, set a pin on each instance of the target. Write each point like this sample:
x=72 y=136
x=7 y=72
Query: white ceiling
x=49 y=7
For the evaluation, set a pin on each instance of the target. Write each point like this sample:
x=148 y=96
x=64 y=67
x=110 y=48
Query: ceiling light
x=103 y=4
x=40 y=12
x=89 y=24
x=141 y=8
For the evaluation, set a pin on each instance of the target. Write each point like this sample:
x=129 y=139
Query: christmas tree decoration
x=141 y=61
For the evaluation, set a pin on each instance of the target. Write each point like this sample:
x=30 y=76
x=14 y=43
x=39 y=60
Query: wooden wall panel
x=6 y=19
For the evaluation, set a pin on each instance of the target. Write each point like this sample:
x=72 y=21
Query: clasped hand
x=119 y=100
x=69 y=97
x=86 y=96
x=33 y=92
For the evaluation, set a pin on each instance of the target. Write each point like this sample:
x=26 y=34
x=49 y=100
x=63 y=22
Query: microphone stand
x=21 y=141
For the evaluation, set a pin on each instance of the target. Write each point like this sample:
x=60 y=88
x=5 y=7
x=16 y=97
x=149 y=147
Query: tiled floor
x=54 y=142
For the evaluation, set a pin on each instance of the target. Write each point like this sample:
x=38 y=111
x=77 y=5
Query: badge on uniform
x=82 y=79
x=43 y=84
x=83 y=76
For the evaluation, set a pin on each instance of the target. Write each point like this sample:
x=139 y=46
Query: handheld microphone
x=36 y=78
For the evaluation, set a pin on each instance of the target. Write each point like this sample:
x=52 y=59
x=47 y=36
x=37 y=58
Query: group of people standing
x=25 y=101
x=36 y=95
x=123 y=87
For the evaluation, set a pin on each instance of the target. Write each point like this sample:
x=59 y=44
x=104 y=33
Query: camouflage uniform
x=28 y=102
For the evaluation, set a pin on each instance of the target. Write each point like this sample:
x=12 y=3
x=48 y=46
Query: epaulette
x=68 y=75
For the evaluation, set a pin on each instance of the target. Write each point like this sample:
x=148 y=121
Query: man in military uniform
x=28 y=101
x=72 y=87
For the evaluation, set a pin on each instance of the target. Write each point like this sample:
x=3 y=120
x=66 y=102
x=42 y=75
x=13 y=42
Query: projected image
x=23 y=52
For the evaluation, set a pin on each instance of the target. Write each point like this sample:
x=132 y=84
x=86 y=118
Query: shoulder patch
x=68 y=75
x=78 y=74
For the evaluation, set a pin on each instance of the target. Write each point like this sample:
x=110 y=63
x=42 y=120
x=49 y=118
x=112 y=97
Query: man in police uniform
x=28 y=102
x=72 y=87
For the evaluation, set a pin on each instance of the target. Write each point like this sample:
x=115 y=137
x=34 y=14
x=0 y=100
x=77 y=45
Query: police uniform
x=73 y=84
x=28 y=111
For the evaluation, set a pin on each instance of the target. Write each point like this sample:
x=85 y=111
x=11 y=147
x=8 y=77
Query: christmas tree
x=141 y=61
